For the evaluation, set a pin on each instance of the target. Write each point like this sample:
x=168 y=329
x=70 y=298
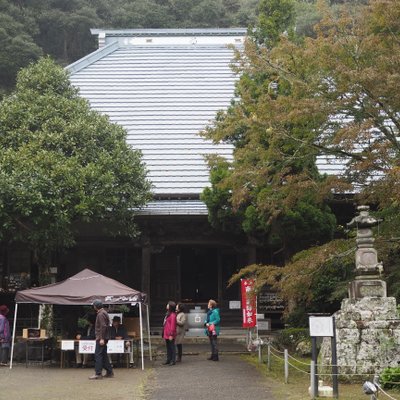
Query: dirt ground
x=36 y=383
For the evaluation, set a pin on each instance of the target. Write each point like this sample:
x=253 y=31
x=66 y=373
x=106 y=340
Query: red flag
x=249 y=308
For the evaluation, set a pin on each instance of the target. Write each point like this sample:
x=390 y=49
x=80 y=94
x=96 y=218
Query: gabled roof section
x=164 y=87
x=92 y=57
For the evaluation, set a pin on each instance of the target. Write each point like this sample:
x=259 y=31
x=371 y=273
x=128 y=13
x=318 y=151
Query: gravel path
x=196 y=378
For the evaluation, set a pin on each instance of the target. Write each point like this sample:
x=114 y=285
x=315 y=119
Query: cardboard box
x=132 y=326
x=34 y=333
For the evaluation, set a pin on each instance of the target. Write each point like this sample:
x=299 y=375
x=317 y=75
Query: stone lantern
x=369 y=271
x=367 y=324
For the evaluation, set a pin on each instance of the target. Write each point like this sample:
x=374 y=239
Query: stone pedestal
x=367 y=325
x=361 y=288
x=368 y=336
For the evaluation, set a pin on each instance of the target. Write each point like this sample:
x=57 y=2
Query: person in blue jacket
x=212 y=325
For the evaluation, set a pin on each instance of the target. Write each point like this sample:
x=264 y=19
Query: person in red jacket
x=169 y=333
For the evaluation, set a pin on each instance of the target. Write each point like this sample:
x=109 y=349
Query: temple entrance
x=193 y=275
x=199 y=274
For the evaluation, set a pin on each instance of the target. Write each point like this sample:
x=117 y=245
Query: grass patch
x=299 y=381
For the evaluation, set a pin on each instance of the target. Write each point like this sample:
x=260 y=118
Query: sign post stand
x=323 y=327
x=335 y=385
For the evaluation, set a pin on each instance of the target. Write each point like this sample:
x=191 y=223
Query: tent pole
x=148 y=330
x=13 y=335
x=141 y=332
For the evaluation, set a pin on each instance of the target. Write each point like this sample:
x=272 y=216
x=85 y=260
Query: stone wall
x=368 y=336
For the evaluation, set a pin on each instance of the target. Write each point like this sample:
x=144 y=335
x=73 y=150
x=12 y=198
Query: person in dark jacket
x=118 y=332
x=101 y=327
x=212 y=328
x=85 y=334
x=169 y=333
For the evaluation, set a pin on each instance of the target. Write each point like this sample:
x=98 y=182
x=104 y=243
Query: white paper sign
x=115 y=346
x=87 y=346
x=235 y=305
x=264 y=325
x=67 y=345
x=321 y=326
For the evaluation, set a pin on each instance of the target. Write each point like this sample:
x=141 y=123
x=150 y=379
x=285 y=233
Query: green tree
x=274 y=18
x=272 y=188
x=332 y=96
x=61 y=164
x=64 y=29
x=18 y=47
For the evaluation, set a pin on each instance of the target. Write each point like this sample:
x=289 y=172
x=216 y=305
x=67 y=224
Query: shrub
x=291 y=337
x=390 y=378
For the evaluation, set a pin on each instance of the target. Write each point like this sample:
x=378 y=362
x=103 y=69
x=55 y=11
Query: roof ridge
x=92 y=57
x=171 y=32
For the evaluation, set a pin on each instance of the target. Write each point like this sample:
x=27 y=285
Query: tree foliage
x=273 y=187
x=61 y=29
x=62 y=163
x=330 y=95
x=314 y=279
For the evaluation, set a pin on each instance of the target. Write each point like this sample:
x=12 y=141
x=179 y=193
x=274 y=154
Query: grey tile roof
x=174 y=207
x=164 y=86
x=163 y=95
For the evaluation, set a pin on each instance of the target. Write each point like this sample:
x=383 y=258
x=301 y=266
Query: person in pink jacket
x=169 y=333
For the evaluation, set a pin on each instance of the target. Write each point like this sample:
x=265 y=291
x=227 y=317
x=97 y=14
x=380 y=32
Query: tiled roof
x=163 y=94
x=164 y=86
x=174 y=207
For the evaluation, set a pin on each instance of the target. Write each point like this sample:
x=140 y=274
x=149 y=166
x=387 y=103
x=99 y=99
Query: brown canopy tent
x=82 y=289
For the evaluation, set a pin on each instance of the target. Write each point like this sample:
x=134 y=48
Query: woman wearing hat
x=5 y=336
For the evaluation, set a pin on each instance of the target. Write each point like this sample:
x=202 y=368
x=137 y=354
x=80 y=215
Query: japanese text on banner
x=249 y=308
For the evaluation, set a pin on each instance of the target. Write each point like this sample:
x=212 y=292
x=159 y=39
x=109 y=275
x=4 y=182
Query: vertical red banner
x=249 y=308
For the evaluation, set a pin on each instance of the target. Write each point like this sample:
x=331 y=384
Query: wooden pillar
x=219 y=274
x=146 y=263
x=179 y=278
x=252 y=254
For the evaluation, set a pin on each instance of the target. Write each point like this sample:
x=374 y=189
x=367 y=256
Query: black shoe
x=173 y=363
x=111 y=375
x=215 y=358
x=166 y=363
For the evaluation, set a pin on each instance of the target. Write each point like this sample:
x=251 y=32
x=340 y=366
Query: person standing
x=180 y=329
x=102 y=333
x=5 y=336
x=212 y=325
x=169 y=333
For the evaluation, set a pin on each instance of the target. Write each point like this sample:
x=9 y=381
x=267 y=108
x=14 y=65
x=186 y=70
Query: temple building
x=164 y=87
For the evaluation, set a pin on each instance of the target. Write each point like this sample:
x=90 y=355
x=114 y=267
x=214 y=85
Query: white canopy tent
x=82 y=289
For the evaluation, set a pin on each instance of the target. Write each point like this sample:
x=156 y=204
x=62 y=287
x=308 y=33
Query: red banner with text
x=249 y=302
